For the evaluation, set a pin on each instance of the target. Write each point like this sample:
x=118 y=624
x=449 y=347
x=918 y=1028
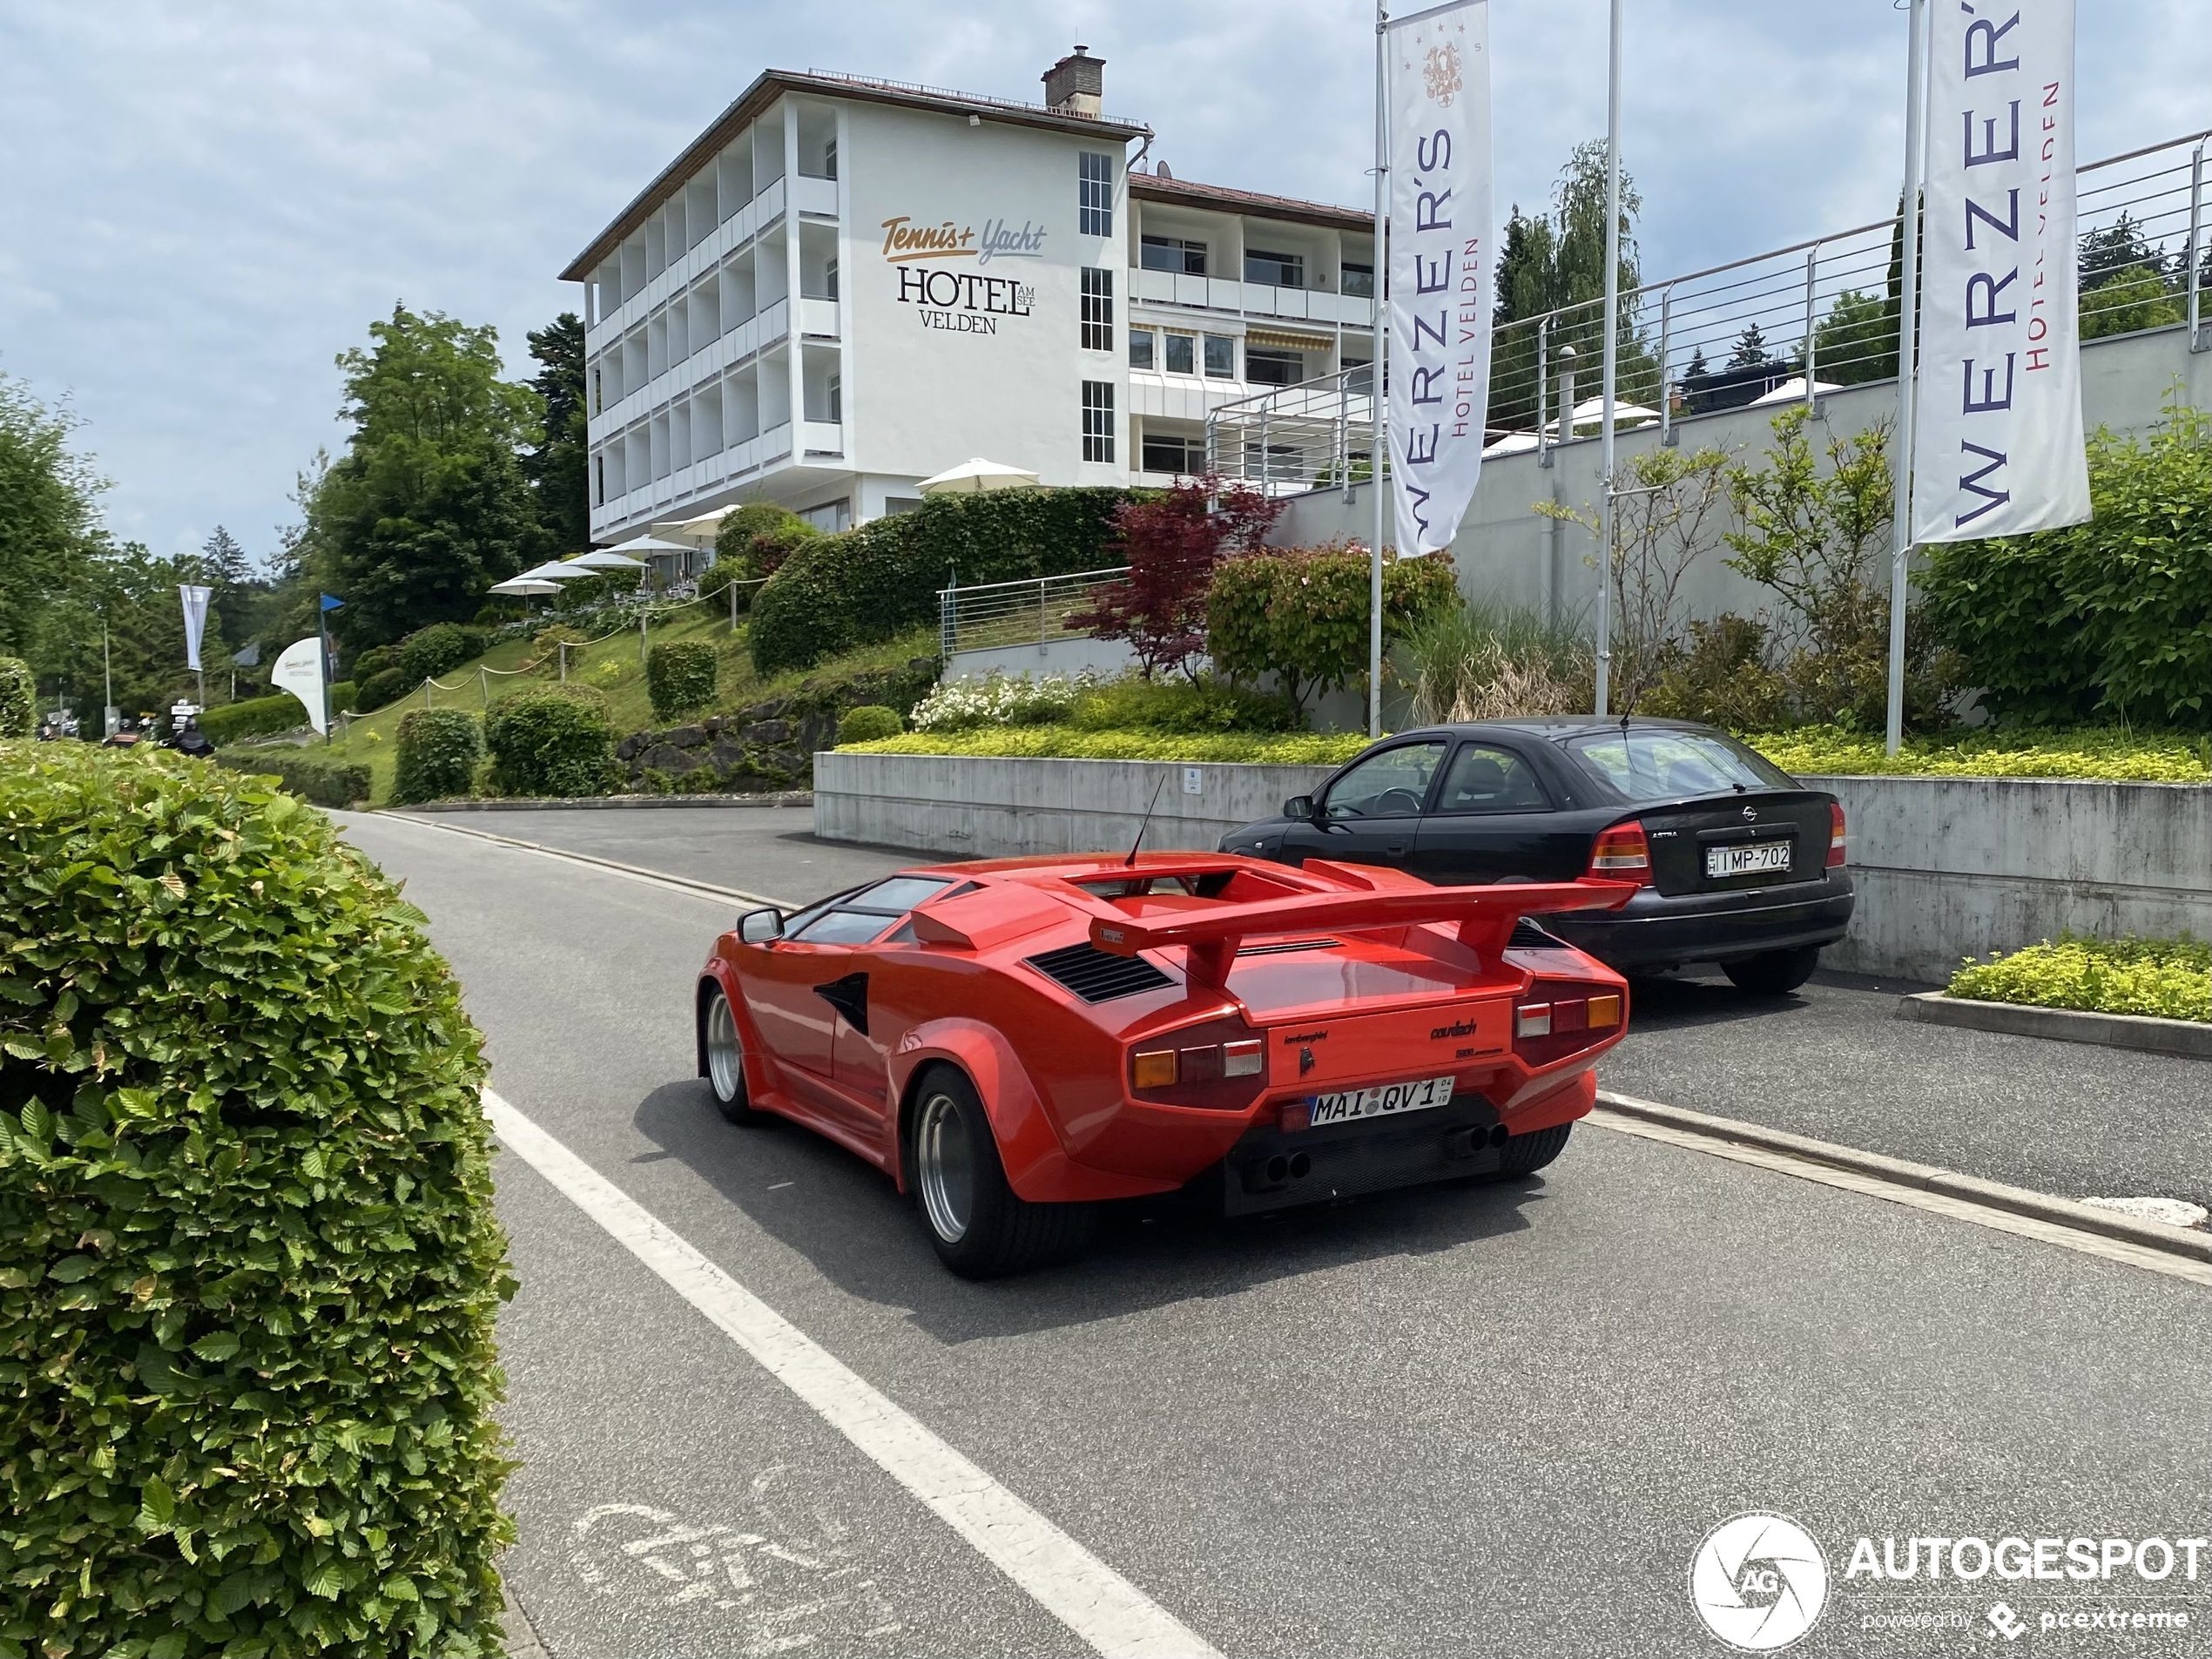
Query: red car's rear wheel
x=980 y=1227
x=1526 y=1154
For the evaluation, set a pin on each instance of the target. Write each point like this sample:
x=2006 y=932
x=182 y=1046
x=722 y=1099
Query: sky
x=203 y=202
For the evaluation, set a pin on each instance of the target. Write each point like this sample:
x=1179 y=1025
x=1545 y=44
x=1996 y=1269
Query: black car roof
x=1554 y=726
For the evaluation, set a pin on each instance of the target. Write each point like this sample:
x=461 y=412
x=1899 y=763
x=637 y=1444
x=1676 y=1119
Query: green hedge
x=384 y=687
x=439 y=648
x=2168 y=979
x=303 y=773
x=680 y=676
x=437 y=755
x=835 y=593
x=868 y=722
x=2107 y=754
x=248 y=1262
x=258 y=716
x=1302 y=613
x=1071 y=742
x=19 y=698
x=552 y=740
x=2107 y=620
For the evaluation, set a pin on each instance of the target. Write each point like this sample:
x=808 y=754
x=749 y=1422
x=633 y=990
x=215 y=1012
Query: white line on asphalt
x=682 y=883
x=2049 y=1232
x=1069 y=1582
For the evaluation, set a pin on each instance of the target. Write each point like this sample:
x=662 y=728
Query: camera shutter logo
x=1759 y=1582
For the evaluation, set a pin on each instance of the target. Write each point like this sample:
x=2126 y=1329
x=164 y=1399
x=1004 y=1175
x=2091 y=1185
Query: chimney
x=1077 y=84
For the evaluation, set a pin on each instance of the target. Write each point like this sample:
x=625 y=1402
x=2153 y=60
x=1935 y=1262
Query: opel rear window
x=1651 y=764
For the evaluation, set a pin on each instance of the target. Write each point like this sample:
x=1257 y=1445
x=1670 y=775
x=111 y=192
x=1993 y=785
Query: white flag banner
x=1998 y=446
x=195 y=619
x=300 y=672
x=1437 y=68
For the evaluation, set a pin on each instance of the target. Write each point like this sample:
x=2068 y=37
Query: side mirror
x=1299 y=808
x=759 y=927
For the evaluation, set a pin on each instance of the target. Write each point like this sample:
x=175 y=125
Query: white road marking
x=1069 y=1582
x=1830 y=1175
x=682 y=883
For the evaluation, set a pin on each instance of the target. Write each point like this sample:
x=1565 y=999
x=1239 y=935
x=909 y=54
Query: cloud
x=206 y=203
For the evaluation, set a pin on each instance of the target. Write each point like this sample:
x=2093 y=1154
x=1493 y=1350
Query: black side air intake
x=1095 y=976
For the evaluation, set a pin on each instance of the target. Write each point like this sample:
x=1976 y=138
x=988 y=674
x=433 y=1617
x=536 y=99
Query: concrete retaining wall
x=1946 y=866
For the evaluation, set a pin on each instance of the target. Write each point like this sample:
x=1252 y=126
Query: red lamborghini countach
x=1018 y=1041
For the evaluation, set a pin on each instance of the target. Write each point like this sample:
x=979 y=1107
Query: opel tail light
x=1620 y=854
x=1839 y=842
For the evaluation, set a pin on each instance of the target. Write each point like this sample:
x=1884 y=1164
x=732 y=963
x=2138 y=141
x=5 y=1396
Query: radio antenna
x=1144 y=822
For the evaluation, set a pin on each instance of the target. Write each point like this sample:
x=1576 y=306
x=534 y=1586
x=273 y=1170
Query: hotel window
x=836 y=398
x=1094 y=199
x=1098 y=421
x=1182 y=353
x=1098 y=309
x=1140 y=348
x=1266 y=367
x=1221 y=357
x=1171 y=253
x=1284 y=270
x=1358 y=279
x=1176 y=454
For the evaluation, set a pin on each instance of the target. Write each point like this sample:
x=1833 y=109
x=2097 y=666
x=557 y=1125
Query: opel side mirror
x=759 y=927
x=1299 y=808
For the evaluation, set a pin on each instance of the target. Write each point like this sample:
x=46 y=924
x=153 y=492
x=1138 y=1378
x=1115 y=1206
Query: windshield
x=1645 y=763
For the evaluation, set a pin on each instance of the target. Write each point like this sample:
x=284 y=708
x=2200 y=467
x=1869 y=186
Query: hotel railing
x=1032 y=611
x=1773 y=328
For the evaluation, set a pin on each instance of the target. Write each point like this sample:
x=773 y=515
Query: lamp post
x=1908 y=318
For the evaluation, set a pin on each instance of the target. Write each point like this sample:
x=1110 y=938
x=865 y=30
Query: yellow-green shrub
x=2167 y=979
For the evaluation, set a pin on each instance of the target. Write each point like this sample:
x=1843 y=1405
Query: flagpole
x=1376 y=369
x=1612 y=360
x=1908 y=322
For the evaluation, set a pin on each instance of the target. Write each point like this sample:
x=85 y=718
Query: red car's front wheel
x=979 y=1226
x=725 y=1060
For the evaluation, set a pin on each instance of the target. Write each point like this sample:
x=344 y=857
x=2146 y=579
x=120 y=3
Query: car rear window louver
x=1096 y=977
x=1278 y=946
x=1526 y=935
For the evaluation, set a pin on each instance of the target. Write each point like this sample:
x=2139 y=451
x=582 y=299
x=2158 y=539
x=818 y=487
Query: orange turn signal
x=1604 y=1011
x=1155 y=1069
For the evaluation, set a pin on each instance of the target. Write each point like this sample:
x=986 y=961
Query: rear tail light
x=1219 y=1064
x=1557 y=1018
x=1620 y=854
x=1839 y=842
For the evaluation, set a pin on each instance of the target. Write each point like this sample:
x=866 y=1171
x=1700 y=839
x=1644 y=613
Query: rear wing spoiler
x=1485 y=917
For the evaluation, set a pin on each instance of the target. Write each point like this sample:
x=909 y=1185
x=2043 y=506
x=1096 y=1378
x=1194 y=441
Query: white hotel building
x=843 y=286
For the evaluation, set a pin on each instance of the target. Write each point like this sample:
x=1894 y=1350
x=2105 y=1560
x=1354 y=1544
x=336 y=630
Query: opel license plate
x=1382 y=1100
x=1759 y=858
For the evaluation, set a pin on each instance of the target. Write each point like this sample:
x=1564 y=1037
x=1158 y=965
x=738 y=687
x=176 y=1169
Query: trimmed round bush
x=551 y=740
x=439 y=648
x=867 y=723
x=437 y=755
x=680 y=676
x=374 y=661
x=386 y=686
x=257 y=717
x=19 y=698
x=248 y=1262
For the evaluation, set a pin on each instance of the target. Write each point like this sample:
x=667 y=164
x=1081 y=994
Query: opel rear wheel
x=725 y=1060
x=1773 y=973
x=979 y=1226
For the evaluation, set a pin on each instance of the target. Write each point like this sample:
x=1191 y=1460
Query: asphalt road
x=1829 y=1062
x=1492 y=1420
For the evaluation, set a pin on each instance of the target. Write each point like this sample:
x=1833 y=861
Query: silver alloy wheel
x=946 y=1167
x=724 y=1053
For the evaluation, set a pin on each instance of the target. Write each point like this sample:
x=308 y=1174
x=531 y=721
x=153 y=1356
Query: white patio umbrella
x=525 y=587
x=611 y=558
x=1512 y=444
x=975 y=474
x=695 y=532
x=1793 y=391
x=1591 y=410
x=551 y=570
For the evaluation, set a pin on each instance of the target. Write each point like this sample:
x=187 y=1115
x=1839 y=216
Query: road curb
x=618 y=802
x=2185 y=1037
x=1924 y=1178
x=638 y=872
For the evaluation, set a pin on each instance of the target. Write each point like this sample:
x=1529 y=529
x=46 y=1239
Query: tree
x=429 y=505
x=557 y=465
x=48 y=518
x=2127 y=299
x=2114 y=252
x=1549 y=261
x=1750 y=348
x=1857 y=340
x=1173 y=544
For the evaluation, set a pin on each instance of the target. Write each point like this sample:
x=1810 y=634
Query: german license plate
x=1382 y=1100
x=1760 y=858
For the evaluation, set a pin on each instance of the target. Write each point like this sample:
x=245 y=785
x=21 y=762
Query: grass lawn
x=615 y=665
